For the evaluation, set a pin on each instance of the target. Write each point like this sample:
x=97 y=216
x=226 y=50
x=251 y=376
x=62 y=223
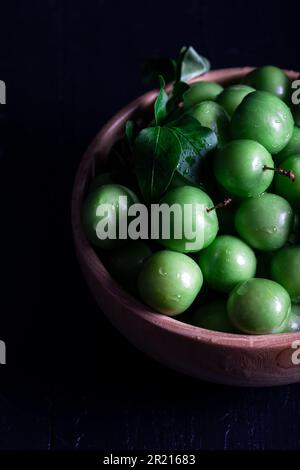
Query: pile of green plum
x=244 y=275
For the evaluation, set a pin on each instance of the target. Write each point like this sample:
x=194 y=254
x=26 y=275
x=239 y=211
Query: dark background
x=71 y=381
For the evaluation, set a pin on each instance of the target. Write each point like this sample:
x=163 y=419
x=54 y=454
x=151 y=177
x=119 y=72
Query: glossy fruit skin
x=105 y=194
x=259 y=306
x=204 y=224
x=287 y=188
x=226 y=262
x=265 y=222
x=292 y=147
x=169 y=282
x=271 y=79
x=125 y=263
x=201 y=91
x=238 y=167
x=285 y=269
x=293 y=324
x=265 y=118
x=231 y=97
x=210 y=114
x=213 y=316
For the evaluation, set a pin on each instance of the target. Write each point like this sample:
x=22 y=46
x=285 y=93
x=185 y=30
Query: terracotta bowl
x=218 y=357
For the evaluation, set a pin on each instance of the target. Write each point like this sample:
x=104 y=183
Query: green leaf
x=156 y=156
x=179 y=88
x=159 y=151
x=160 y=105
x=197 y=142
x=190 y=64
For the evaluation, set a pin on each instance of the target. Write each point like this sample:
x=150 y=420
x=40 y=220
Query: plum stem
x=281 y=171
x=224 y=203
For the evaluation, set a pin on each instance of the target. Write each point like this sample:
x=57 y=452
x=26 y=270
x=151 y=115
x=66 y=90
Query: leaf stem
x=281 y=171
x=222 y=204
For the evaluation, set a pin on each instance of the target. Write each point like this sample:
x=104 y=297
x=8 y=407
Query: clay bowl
x=219 y=357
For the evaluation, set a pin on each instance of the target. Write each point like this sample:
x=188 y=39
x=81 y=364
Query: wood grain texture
x=168 y=416
x=219 y=357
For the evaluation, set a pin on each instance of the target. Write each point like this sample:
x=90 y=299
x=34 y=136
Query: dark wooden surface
x=71 y=381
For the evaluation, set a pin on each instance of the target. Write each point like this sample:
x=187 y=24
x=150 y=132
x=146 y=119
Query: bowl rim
x=85 y=250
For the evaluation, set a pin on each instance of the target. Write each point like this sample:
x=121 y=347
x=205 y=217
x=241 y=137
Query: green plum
x=201 y=91
x=271 y=79
x=213 y=116
x=106 y=194
x=231 y=97
x=293 y=324
x=226 y=262
x=259 y=306
x=202 y=225
x=292 y=147
x=240 y=168
x=285 y=269
x=289 y=188
x=265 y=222
x=213 y=316
x=125 y=263
x=169 y=282
x=265 y=118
